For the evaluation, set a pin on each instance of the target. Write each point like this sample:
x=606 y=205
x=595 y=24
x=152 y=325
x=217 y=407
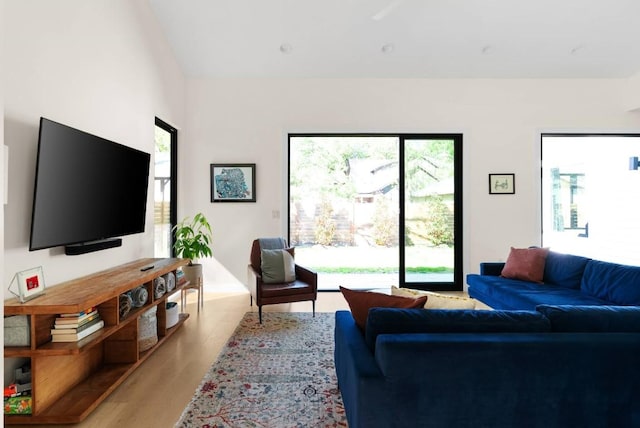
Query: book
x=74 y=337
x=78 y=314
x=75 y=320
x=68 y=330
x=68 y=325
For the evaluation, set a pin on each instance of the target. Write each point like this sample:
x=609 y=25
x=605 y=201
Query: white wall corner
x=633 y=94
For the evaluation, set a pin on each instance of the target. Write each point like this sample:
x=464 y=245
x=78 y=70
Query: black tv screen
x=87 y=190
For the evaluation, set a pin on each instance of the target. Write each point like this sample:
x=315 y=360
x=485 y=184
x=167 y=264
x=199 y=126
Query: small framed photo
x=30 y=284
x=502 y=184
x=233 y=182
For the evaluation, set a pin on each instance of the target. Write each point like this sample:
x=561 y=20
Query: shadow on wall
x=219 y=278
x=22 y=140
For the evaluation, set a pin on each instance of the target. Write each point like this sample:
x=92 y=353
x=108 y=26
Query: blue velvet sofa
x=558 y=366
x=567 y=280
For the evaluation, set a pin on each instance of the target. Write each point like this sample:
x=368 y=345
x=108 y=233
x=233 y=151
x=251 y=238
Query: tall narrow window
x=367 y=211
x=165 y=188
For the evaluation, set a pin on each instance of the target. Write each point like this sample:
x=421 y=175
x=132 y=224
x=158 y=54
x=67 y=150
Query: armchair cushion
x=278 y=266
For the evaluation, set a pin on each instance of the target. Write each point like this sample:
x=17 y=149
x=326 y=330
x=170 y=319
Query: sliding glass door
x=370 y=211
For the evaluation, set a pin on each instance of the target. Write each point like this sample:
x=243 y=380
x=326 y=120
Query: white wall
x=633 y=93
x=101 y=66
x=248 y=120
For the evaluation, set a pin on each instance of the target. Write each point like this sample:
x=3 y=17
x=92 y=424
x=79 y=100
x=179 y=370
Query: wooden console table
x=69 y=380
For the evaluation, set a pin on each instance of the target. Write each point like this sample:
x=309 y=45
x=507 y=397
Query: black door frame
x=173 y=186
x=457 y=284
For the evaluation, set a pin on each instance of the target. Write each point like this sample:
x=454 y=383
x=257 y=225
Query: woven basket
x=148 y=329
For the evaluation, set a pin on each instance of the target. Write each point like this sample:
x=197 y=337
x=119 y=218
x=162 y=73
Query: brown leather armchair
x=305 y=286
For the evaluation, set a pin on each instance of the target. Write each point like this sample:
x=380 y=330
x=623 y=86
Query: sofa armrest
x=589 y=374
x=363 y=388
x=491 y=268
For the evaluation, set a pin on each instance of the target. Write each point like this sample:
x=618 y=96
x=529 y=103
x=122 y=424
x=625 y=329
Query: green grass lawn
x=374 y=259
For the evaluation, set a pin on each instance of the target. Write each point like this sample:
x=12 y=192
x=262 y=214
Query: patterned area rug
x=279 y=374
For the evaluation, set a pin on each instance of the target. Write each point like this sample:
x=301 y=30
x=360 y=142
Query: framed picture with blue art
x=233 y=182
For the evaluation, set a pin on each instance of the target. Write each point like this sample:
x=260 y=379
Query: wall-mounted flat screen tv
x=88 y=190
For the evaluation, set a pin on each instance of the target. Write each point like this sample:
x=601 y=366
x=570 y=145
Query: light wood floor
x=158 y=391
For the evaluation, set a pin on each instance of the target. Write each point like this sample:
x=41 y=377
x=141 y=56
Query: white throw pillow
x=436 y=300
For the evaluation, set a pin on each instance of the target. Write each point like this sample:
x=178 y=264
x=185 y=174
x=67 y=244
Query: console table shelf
x=69 y=380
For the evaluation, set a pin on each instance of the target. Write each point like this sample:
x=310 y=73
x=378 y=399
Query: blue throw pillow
x=564 y=270
x=610 y=319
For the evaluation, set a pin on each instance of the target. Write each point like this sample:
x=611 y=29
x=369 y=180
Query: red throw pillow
x=361 y=301
x=526 y=264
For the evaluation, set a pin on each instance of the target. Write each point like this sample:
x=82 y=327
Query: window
x=590 y=196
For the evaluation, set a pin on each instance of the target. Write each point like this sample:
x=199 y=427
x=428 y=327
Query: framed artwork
x=502 y=184
x=233 y=182
x=29 y=283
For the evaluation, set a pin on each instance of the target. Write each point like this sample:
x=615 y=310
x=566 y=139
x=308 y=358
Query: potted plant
x=193 y=238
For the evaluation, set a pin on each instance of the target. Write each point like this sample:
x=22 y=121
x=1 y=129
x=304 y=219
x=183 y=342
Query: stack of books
x=76 y=326
x=180 y=278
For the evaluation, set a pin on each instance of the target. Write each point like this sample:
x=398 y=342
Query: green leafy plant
x=439 y=224
x=193 y=238
x=325 y=229
x=385 y=223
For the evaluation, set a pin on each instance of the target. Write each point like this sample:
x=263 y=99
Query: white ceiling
x=425 y=38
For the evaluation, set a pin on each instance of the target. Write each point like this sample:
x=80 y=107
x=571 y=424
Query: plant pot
x=193 y=273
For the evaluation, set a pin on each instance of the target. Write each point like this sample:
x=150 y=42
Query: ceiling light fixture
x=286 y=48
x=387 y=48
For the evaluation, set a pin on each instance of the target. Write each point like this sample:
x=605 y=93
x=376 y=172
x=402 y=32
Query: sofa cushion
x=615 y=283
x=504 y=293
x=361 y=301
x=394 y=321
x=564 y=270
x=491 y=268
x=277 y=266
x=526 y=264
x=618 y=319
x=436 y=300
